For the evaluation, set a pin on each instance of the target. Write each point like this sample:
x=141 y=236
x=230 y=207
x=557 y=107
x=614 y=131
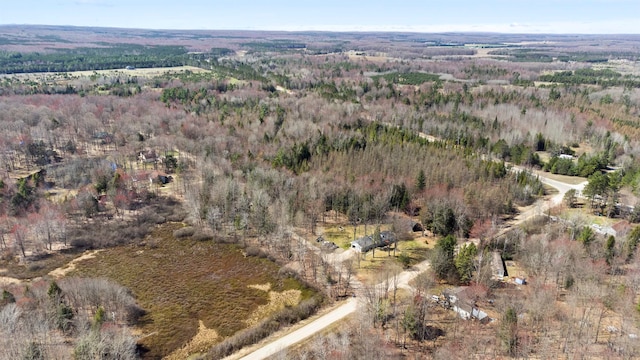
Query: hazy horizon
x=495 y=16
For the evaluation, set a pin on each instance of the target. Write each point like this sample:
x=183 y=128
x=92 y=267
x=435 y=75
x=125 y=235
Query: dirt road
x=561 y=187
x=326 y=320
x=304 y=332
x=404 y=278
x=542 y=206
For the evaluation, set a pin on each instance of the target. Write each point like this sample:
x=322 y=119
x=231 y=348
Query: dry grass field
x=24 y=270
x=186 y=286
x=60 y=77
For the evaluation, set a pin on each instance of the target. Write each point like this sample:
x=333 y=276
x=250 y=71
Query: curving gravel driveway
x=404 y=278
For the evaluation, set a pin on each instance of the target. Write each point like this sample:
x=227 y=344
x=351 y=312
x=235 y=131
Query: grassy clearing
x=342 y=235
x=37 y=268
x=277 y=301
x=198 y=345
x=588 y=217
x=544 y=155
x=342 y=238
x=182 y=282
x=140 y=72
x=71 y=265
x=417 y=250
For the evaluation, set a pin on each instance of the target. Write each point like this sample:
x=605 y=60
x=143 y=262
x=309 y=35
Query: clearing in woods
x=49 y=77
x=183 y=283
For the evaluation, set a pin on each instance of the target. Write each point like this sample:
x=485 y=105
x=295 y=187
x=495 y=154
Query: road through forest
x=403 y=280
x=324 y=321
x=541 y=206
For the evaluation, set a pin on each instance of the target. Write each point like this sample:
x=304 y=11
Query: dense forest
x=266 y=154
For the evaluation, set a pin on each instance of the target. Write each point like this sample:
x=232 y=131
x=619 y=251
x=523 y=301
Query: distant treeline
x=535 y=55
x=411 y=78
x=112 y=57
x=604 y=77
x=275 y=45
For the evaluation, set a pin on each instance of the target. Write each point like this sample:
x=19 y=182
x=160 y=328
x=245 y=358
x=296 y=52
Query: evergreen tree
x=540 y=142
x=421 y=181
x=442 y=260
x=54 y=291
x=586 y=236
x=465 y=262
x=609 y=249
x=632 y=242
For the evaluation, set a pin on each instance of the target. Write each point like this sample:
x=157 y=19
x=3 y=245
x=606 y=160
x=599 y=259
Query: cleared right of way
x=304 y=332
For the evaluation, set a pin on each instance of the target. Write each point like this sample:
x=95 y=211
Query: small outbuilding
x=159 y=177
x=498 y=267
x=466 y=308
x=363 y=244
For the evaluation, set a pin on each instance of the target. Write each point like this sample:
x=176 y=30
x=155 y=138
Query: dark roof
x=387 y=237
x=367 y=243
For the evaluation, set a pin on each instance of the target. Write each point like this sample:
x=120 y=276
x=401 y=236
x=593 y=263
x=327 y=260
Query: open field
x=587 y=217
x=343 y=235
x=180 y=283
x=43 y=266
x=371 y=264
x=59 y=77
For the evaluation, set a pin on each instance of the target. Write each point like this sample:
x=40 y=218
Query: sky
x=506 y=16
